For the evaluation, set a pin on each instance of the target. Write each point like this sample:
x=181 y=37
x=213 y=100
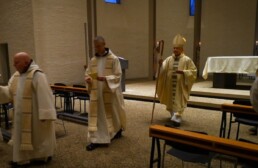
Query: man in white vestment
x=33 y=135
x=107 y=117
x=177 y=75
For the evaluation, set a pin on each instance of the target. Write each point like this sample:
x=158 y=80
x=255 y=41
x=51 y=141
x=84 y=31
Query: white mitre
x=179 y=41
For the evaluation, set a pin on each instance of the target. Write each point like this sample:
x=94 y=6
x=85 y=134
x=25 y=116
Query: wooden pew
x=233 y=108
x=237 y=108
x=68 y=112
x=241 y=150
x=69 y=89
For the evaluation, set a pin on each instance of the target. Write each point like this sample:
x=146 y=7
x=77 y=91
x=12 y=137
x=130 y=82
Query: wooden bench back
x=240 y=109
x=214 y=144
x=69 y=89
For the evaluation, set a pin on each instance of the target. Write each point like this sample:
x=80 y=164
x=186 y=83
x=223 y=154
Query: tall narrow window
x=113 y=1
x=192 y=7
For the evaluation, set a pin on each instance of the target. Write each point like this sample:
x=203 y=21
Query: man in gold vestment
x=177 y=75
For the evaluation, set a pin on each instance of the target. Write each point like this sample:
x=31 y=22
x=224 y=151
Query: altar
x=226 y=68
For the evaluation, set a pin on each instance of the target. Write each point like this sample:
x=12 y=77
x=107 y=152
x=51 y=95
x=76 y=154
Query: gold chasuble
x=174 y=89
x=107 y=114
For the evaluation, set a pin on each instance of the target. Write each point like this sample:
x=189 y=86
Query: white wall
x=52 y=31
x=228 y=28
x=126 y=30
x=16 y=27
x=60 y=39
x=172 y=19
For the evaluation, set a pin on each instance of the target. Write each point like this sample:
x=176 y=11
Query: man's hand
x=179 y=72
x=101 y=78
x=88 y=80
x=160 y=62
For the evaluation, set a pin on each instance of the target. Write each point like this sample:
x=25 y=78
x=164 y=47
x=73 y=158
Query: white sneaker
x=176 y=118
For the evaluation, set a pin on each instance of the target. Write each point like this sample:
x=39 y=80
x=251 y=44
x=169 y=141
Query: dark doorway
x=4 y=64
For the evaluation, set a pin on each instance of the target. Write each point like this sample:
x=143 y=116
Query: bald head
x=99 y=44
x=21 y=61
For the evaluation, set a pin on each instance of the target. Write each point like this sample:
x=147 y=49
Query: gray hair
x=99 y=39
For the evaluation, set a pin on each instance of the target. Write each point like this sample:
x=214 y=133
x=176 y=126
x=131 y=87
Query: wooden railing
x=219 y=145
x=69 y=89
x=233 y=109
x=237 y=108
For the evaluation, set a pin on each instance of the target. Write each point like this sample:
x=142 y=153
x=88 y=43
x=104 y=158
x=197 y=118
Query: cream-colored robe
x=105 y=124
x=43 y=132
x=184 y=83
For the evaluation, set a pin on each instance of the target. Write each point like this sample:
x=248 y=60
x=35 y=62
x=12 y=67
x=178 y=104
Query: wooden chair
x=244 y=114
x=246 y=163
x=58 y=93
x=188 y=153
x=81 y=97
x=4 y=111
x=233 y=148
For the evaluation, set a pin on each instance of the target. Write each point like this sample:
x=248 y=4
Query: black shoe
x=91 y=147
x=38 y=162
x=16 y=165
x=176 y=124
x=253 y=129
x=118 y=134
x=170 y=124
x=49 y=159
x=253 y=133
x=12 y=164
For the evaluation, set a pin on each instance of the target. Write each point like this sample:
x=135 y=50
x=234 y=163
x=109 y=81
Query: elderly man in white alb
x=107 y=117
x=33 y=134
x=177 y=75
